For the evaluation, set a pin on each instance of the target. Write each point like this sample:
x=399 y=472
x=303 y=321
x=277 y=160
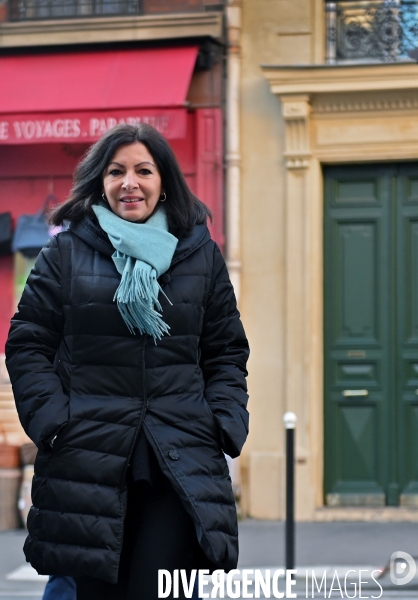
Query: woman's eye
x=145 y=171
x=114 y=172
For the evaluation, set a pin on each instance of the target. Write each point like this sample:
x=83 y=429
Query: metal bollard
x=289 y=420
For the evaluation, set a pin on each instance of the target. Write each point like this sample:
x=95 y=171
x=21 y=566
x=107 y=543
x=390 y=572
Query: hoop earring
x=104 y=197
x=165 y=197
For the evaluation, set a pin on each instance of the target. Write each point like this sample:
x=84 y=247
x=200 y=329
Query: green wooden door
x=371 y=334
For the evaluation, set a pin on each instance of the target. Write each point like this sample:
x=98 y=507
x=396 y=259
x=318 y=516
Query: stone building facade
x=329 y=144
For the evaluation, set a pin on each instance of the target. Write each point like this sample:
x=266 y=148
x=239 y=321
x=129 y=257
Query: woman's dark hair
x=183 y=209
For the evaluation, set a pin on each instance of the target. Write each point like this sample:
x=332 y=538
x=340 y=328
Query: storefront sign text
x=86 y=127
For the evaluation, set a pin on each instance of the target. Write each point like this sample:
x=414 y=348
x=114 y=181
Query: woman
x=127 y=359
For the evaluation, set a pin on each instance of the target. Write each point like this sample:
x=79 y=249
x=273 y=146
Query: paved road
x=338 y=543
x=318 y=546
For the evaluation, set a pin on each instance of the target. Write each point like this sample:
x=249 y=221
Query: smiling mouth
x=131 y=200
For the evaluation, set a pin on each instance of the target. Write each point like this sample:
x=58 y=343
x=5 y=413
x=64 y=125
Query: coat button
x=165 y=278
x=174 y=455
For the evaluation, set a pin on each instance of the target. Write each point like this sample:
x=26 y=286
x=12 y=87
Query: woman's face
x=132 y=183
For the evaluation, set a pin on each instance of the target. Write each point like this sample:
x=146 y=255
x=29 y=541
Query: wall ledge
x=360 y=513
x=111 y=29
x=324 y=79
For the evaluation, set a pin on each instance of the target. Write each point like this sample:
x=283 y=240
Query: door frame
x=393 y=208
x=332 y=114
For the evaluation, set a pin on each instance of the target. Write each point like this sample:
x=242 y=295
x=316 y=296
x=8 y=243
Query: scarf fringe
x=143 y=251
x=137 y=300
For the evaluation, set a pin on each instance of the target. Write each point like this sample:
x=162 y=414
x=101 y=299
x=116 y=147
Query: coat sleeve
x=34 y=336
x=224 y=354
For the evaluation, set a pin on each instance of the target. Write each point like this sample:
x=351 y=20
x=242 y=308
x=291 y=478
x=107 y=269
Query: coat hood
x=90 y=232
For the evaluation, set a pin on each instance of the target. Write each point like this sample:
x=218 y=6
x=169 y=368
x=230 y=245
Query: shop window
x=22 y=268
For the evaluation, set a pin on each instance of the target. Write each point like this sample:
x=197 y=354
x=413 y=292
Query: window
x=57 y=9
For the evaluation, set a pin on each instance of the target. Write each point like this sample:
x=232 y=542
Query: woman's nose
x=130 y=181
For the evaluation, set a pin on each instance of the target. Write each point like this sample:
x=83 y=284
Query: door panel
x=405 y=443
x=371 y=334
x=356 y=290
x=357 y=334
x=358 y=435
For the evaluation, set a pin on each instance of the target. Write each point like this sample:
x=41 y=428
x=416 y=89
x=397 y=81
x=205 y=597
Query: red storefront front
x=53 y=106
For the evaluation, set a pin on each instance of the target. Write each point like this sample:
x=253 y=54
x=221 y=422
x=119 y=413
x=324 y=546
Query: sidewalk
x=321 y=545
x=333 y=547
x=335 y=543
x=11 y=558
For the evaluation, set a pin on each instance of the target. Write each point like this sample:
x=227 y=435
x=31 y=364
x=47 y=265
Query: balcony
x=31 y=10
x=367 y=32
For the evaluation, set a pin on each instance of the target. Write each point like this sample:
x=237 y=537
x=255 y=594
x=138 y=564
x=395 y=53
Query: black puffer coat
x=77 y=371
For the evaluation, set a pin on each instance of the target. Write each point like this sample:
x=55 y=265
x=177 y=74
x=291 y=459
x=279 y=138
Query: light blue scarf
x=143 y=251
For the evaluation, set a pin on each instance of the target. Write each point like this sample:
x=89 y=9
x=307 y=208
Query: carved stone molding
x=341 y=106
x=296 y=111
x=341 y=79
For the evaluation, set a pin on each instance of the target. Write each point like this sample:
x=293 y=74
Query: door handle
x=351 y=393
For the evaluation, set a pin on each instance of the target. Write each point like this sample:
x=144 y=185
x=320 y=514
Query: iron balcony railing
x=381 y=31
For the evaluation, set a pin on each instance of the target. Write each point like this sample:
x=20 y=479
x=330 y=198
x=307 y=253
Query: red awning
x=76 y=96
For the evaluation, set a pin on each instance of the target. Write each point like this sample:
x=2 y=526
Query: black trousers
x=159 y=534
